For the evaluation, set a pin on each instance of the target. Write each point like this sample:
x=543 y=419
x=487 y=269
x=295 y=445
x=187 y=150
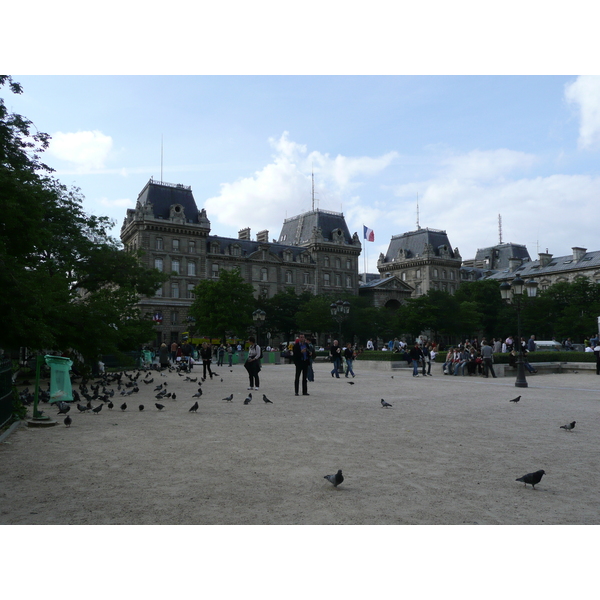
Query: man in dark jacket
x=335 y=353
x=301 y=356
x=415 y=355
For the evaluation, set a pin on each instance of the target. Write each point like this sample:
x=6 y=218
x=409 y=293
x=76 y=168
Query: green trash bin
x=60 y=381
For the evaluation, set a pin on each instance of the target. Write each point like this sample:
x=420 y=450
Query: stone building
x=315 y=252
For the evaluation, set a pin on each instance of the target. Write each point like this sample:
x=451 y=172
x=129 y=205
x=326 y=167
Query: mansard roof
x=248 y=247
x=163 y=195
x=412 y=244
x=497 y=257
x=298 y=230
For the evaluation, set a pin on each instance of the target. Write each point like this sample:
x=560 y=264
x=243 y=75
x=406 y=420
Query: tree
x=282 y=309
x=223 y=306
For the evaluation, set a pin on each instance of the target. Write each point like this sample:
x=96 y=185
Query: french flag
x=368 y=234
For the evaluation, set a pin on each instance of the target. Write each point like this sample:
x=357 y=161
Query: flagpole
x=365 y=256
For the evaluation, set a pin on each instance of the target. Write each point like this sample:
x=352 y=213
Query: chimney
x=244 y=234
x=544 y=258
x=263 y=236
x=578 y=253
x=514 y=263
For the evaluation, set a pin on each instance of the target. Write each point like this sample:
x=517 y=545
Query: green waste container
x=60 y=381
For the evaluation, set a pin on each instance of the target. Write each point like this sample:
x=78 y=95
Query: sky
x=465 y=154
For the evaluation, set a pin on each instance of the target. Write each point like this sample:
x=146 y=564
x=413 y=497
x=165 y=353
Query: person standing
x=487 y=354
x=301 y=355
x=230 y=354
x=531 y=344
x=335 y=354
x=206 y=356
x=220 y=355
x=415 y=355
x=311 y=348
x=252 y=364
x=163 y=355
x=173 y=351
x=370 y=345
x=349 y=356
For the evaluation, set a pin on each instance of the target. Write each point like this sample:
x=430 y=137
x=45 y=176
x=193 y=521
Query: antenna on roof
x=500 y=226
x=161 y=158
x=313 y=187
x=418 y=226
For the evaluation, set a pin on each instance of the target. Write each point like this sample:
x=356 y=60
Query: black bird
x=198 y=393
x=124 y=406
x=385 y=404
x=160 y=396
x=266 y=400
x=248 y=399
x=141 y=407
x=82 y=408
x=159 y=406
x=335 y=479
x=63 y=408
x=110 y=406
x=515 y=400
x=351 y=383
x=568 y=426
x=194 y=407
x=229 y=398
x=173 y=397
x=158 y=388
x=146 y=381
x=97 y=409
x=68 y=421
x=532 y=478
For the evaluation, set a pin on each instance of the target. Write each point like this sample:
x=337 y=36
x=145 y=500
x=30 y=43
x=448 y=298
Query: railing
x=6 y=406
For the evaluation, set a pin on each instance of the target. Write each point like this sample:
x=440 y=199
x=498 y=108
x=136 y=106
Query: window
x=326 y=261
x=190 y=290
x=215 y=270
x=159 y=292
x=175 y=266
x=418 y=274
x=403 y=276
x=264 y=276
x=236 y=250
x=174 y=289
x=444 y=275
x=175 y=245
x=192 y=247
x=288 y=277
x=418 y=289
x=306 y=278
x=452 y=275
x=348 y=281
x=191 y=269
x=338 y=263
x=348 y=264
x=173 y=318
x=435 y=273
x=158 y=264
x=159 y=243
x=338 y=280
x=326 y=280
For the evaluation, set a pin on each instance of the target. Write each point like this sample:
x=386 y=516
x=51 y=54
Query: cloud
x=283 y=188
x=87 y=150
x=486 y=164
x=117 y=203
x=585 y=93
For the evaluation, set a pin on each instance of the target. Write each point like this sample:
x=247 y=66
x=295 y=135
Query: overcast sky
x=467 y=148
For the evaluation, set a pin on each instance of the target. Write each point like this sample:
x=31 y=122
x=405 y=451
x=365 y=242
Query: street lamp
x=339 y=311
x=259 y=318
x=512 y=293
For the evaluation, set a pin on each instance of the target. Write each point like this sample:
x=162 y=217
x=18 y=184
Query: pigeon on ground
x=515 y=400
x=385 y=404
x=228 y=399
x=141 y=407
x=82 y=408
x=97 y=409
x=158 y=388
x=194 y=407
x=532 y=478
x=351 y=383
x=110 y=406
x=173 y=397
x=124 y=406
x=569 y=426
x=63 y=408
x=159 y=406
x=266 y=400
x=147 y=381
x=335 y=479
x=198 y=393
x=68 y=421
x=248 y=399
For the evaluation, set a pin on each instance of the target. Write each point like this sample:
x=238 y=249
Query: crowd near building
x=314 y=252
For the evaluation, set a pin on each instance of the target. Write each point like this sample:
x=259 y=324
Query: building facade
x=315 y=252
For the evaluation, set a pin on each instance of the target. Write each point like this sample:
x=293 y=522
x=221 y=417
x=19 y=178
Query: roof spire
x=418 y=226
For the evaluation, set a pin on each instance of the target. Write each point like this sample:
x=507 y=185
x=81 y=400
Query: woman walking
x=252 y=364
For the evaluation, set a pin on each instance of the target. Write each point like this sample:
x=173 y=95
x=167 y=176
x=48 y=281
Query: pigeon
x=141 y=407
x=159 y=406
x=82 y=408
x=385 y=404
x=97 y=409
x=63 y=408
x=569 y=426
x=532 y=478
x=158 y=388
x=515 y=400
x=147 y=381
x=266 y=400
x=173 y=397
x=198 y=393
x=68 y=421
x=228 y=399
x=194 y=407
x=335 y=479
x=351 y=383
x=110 y=406
x=124 y=406
x=248 y=399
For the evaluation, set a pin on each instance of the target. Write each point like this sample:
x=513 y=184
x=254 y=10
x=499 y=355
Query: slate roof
x=496 y=257
x=299 y=229
x=163 y=195
x=413 y=243
x=250 y=246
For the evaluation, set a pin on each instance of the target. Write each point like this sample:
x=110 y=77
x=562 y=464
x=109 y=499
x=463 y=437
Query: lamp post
x=340 y=311
x=512 y=293
x=259 y=318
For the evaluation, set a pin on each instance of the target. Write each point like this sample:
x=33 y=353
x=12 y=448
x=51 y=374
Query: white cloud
x=487 y=164
x=88 y=150
x=283 y=188
x=117 y=203
x=585 y=93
